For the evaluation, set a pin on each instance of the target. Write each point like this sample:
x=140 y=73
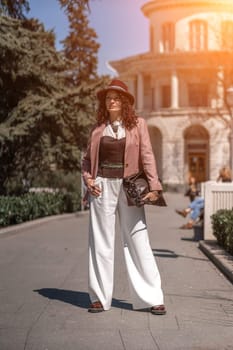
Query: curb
x=41 y=221
x=222 y=259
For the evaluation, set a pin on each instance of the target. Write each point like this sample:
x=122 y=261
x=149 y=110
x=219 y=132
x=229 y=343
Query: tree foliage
x=14 y=8
x=80 y=45
x=43 y=121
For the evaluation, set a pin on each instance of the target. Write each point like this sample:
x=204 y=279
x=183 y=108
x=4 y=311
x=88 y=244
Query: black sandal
x=158 y=310
x=96 y=307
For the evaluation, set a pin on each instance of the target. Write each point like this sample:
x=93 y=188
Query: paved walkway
x=44 y=300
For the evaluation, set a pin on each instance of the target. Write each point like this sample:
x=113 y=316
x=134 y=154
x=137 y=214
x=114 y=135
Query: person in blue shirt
x=195 y=209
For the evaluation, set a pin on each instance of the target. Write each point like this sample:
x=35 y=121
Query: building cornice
x=156 y=5
x=195 y=112
x=149 y=62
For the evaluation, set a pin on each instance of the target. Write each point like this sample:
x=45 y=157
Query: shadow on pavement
x=121 y=304
x=76 y=298
x=198 y=234
x=188 y=239
x=80 y=299
x=165 y=253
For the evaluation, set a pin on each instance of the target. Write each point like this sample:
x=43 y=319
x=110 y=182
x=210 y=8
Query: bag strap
x=135 y=176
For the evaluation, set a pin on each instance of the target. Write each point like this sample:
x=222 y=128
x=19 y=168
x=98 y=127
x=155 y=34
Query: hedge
x=30 y=206
x=222 y=223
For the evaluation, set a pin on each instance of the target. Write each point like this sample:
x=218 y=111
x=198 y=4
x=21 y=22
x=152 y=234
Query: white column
x=220 y=88
x=156 y=97
x=174 y=90
x=160 y=46
x=140 y=92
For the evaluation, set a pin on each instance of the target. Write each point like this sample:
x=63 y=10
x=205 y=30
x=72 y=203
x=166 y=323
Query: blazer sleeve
x=147 y=156
x=86 y=163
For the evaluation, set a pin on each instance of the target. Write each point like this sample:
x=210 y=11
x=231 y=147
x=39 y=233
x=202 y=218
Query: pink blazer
x=138 y=154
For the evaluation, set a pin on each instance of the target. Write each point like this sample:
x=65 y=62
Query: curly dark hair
x=129 y=117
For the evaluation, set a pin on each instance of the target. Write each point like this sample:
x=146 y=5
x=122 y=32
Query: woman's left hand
x=151 y=196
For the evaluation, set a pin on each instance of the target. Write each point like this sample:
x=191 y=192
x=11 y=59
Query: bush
x=222 y=222
x=30 y=206
x=70 y=182
x=59 y=179
x=71 y=202
x=15 y=186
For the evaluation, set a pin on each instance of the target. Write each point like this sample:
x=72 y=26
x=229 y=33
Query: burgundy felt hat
x=118 y=86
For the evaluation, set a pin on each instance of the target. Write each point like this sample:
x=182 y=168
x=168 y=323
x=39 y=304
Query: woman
x=224 y=175
x=193 y=190
x=119 y=147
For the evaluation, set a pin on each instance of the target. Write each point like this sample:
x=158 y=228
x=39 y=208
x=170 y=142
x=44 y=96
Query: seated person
x=193 y=190
x=195 y=209
x=224 y=175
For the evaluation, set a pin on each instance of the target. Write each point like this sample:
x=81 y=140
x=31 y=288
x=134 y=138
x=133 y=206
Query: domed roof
x=155 y=5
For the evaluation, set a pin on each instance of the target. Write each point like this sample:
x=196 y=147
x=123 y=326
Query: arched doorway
x=197 y=152
x=156 y=141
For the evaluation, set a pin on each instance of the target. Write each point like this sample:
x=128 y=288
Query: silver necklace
x=115 y=125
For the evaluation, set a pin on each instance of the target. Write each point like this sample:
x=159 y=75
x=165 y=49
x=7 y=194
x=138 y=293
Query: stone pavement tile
x=193 y=339
x=79 y=339
x=142 y=340
x=78 y=329
x=203 y=311
x=17 y=338
x=44 y=292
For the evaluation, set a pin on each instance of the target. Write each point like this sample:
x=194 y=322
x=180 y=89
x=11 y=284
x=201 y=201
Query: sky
x=120 y=25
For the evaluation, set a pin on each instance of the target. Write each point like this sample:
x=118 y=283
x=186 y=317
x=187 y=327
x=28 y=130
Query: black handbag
x=136 y=187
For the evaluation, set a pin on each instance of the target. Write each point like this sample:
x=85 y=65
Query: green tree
x=80 y=46
x=42 y=121
x=14 y=8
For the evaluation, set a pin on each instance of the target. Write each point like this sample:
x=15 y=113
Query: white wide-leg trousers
x=143 y=273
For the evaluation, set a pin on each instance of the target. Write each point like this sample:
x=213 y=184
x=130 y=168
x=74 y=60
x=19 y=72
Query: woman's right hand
x=92 y=188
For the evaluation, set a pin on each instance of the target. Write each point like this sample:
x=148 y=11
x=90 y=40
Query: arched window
x=196 y=141
x=198 y=35
x=168 y=37
x=227 y=35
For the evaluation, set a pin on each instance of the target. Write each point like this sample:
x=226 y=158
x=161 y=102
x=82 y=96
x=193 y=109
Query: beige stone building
x=179 y=85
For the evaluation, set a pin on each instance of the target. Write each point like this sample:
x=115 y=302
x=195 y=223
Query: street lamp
x=229 y=97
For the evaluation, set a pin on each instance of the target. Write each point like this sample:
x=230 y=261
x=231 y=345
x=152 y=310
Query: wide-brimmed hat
x=118 y=86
